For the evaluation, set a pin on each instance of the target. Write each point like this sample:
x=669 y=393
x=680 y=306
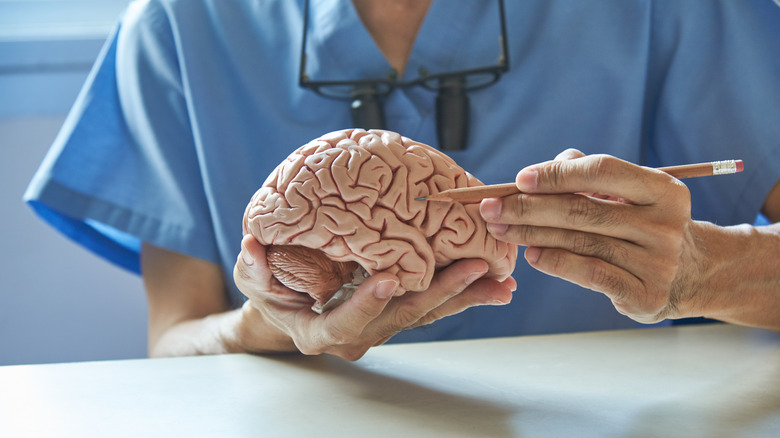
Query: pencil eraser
x=740 y=165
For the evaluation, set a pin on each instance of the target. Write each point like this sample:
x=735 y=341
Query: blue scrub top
x=191 y=104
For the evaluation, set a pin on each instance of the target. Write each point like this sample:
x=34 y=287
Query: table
x=709 y=381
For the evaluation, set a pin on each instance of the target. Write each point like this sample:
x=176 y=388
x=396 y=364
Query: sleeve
x=718 y=98
x=124 y=167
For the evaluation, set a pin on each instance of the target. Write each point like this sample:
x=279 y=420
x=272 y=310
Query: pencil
x=475 y=194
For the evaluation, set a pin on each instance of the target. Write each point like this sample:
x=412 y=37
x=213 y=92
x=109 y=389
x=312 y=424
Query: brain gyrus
x=347 y=200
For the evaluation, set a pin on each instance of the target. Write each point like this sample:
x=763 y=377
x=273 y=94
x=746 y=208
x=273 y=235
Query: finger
x=646 y=264
x=602 y=174
x=618 y=252
x=251 y=268
x=483 y=292
x=255 y=280
x=341 y=331
x=347 y=322
x=569 y=211
x=409 y=309
x=569 y=154
x=592 y=273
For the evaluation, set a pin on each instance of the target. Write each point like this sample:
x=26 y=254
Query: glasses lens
x=375 y=88
x=350 y=90
x=479 y=80
x=342 y=92
x=469 y=81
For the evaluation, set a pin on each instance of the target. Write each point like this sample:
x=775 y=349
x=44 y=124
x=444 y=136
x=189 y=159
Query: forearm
x=740 y=275
x=236 y=331
x=188 y=310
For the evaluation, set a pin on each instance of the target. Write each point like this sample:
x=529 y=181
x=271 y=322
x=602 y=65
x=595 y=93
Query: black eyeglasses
x=452 y=103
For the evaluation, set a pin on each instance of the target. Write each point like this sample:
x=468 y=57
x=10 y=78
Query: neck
x=393 y=25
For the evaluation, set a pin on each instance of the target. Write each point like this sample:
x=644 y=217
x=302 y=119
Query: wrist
x=707 y=275
x=736 y=274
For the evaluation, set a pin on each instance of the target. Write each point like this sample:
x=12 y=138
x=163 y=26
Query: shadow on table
x=407 y=404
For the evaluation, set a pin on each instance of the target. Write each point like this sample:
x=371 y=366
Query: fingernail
x=248 y=259
x=490 y=209
x=532 y=254
x=497 y=228
x=385 y=289
x=245 y=256
x=527 y=179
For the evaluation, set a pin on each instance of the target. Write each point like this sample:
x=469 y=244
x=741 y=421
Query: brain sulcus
x=346 y=202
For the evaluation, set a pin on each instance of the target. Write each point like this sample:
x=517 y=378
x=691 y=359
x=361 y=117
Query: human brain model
x=343 y=207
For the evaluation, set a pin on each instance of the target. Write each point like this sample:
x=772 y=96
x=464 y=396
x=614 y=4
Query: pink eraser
x=740 y=165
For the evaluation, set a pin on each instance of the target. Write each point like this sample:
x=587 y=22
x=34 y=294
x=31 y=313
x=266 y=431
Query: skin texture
x=393 y=25
x=626 y=231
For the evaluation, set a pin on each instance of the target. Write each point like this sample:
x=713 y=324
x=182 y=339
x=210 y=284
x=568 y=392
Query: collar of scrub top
x=366 y=90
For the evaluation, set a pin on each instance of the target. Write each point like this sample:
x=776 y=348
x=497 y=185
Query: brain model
x=343 y=207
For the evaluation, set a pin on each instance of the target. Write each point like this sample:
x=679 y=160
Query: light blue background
x=58 y=302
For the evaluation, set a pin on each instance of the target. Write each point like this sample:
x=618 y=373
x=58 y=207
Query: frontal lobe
x=351 y=195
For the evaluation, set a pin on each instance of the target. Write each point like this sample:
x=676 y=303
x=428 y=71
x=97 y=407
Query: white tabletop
x=706 y=381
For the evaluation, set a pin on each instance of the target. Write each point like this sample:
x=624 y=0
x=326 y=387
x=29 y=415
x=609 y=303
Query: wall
x=58 y=302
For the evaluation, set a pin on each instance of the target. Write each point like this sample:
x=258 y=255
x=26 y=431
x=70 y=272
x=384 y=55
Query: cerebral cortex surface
x=351 y=195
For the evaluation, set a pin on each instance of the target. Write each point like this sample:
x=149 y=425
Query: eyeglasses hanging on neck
x=366 y=96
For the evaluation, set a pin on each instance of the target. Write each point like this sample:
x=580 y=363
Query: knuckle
x=429 y=318
x=556 y=262
x=581 y=243
x=589 y=245
x=339 y=335
x=601 y=279
x=607 y=251
x=579 y=211
x=307 y=348
x=384 y=334
x=405 y=316
x=653 y=309
x=585 y=210
x=569 y=154
x=551 y=175
x=365 y=312
x=525 y=234
x=680 y=194
x=352 y=353
x=520 y=205
x=604 y=167
x=614 y=283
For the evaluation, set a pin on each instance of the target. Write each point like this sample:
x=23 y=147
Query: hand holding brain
x=345 y=204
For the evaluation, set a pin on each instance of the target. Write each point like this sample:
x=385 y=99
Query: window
x=56 y=19
x=47 y=48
